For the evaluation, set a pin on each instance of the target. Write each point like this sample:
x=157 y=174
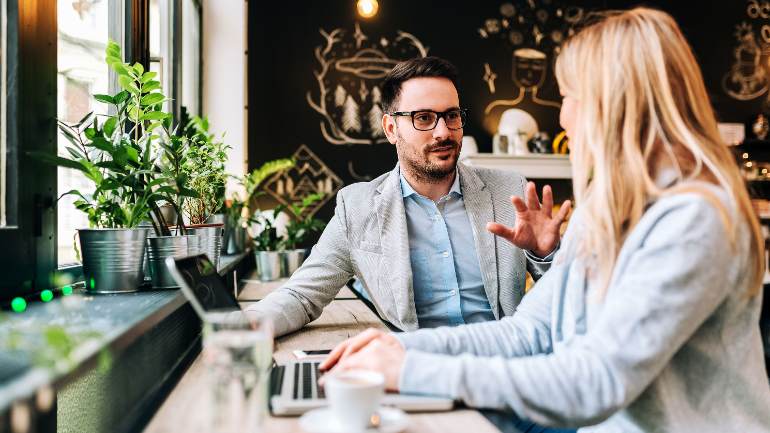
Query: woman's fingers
x=334 y=356
x=348 y=347
x=360 y=341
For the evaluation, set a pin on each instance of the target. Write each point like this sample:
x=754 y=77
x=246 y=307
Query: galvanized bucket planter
x=210 y=236
x=220 y=218
x=113 y=259
x=169 y=214
x=238 y=240
x=291 y=261
x=159 y=248
x=268 y=265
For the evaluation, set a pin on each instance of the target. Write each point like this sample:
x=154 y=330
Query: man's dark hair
x=414 y=68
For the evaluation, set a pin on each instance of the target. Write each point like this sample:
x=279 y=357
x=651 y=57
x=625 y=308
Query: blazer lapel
x=478 y=205
x=395 y=266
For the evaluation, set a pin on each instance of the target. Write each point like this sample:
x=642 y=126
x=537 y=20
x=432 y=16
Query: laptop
x=294 y=387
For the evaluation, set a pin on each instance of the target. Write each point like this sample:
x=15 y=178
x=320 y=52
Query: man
x=415 y=237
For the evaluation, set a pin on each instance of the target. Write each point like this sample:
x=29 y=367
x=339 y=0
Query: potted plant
x=235 y=226
x=266 y=246
x=299 y=231
x=116 y=155
x=204 y=168
x=173 y=151
x=266 y=242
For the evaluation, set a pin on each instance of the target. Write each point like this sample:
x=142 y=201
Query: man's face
x=429 y=155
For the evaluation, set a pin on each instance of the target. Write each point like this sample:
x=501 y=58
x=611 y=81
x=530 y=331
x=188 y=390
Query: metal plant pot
x=210 y=236
x=220 y=218
x=169 y=213
x=238 y=240
x=158 y=249
x=291 y=261
x=113 y=259
x=194 y=243
x=268 y=265
x=217 y=218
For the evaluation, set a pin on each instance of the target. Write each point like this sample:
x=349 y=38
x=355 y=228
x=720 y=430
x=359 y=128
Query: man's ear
x=389 y=126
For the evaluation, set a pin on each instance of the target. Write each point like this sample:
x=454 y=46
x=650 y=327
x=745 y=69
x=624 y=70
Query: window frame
x=29 y=253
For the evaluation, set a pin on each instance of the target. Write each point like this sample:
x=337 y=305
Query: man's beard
x=423 y=169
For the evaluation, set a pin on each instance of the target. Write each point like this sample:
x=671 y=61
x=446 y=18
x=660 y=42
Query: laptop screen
x=202 y=282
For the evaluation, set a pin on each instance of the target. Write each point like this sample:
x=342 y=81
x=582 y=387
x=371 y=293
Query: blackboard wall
x=283 y=38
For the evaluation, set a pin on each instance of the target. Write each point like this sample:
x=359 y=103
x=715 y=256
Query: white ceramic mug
x=354 y=396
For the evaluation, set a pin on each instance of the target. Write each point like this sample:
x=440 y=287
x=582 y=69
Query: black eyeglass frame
x=439 y=115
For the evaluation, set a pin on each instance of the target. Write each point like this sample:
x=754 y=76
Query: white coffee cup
x=354 y=396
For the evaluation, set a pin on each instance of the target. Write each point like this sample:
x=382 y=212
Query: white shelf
x=530 y=166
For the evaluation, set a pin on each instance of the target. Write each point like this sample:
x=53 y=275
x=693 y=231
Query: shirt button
x=451 y=293
x=445 y=254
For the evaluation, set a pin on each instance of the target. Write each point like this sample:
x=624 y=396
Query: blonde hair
x=643 y=107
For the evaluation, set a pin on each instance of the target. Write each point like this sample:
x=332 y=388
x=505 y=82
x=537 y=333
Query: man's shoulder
x=360 y=191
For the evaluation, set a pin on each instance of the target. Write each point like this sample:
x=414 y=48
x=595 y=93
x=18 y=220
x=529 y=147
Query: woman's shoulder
x=691 y=211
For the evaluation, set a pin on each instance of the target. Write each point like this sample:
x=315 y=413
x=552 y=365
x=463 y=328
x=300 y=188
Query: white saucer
x=321 y=420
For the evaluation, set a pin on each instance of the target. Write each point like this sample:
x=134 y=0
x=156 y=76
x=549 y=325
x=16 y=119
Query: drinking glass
x=238 y=353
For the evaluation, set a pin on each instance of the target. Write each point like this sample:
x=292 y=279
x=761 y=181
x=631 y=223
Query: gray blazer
x=367 y=237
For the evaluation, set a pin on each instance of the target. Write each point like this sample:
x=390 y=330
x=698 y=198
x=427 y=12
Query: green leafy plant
x=204 y=168
x=250 y=184
x=267 y=239
x=301 y=227
x=171 y=166
x=117 y=154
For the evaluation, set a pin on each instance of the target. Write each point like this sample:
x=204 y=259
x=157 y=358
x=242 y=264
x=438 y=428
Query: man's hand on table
x=370 y=350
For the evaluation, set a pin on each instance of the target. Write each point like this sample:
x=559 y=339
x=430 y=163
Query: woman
x=648 y=319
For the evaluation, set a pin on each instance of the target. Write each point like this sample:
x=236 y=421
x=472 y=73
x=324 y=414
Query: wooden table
x=255 y=290
x=185 y=411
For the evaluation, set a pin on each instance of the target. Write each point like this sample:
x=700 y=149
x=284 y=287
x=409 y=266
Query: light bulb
x=367 y=8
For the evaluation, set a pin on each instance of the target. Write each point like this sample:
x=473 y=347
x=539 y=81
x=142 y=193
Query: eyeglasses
x=426 y=120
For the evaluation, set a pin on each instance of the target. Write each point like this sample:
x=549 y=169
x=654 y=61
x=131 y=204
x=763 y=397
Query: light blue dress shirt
x=446 y=276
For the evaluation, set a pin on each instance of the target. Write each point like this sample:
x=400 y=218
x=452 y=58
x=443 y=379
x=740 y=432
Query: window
x=82 y=38
x=85 y=26
x=162 y=48
x=191 y=48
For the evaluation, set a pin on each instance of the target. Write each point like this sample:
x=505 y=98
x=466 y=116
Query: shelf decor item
x=540 y=143
x=760 y=127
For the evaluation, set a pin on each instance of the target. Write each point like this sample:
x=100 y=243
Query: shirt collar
x=407 y=190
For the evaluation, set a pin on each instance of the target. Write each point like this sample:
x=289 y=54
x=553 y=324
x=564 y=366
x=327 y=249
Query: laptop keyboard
x=304 y=377
x=295 y=390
